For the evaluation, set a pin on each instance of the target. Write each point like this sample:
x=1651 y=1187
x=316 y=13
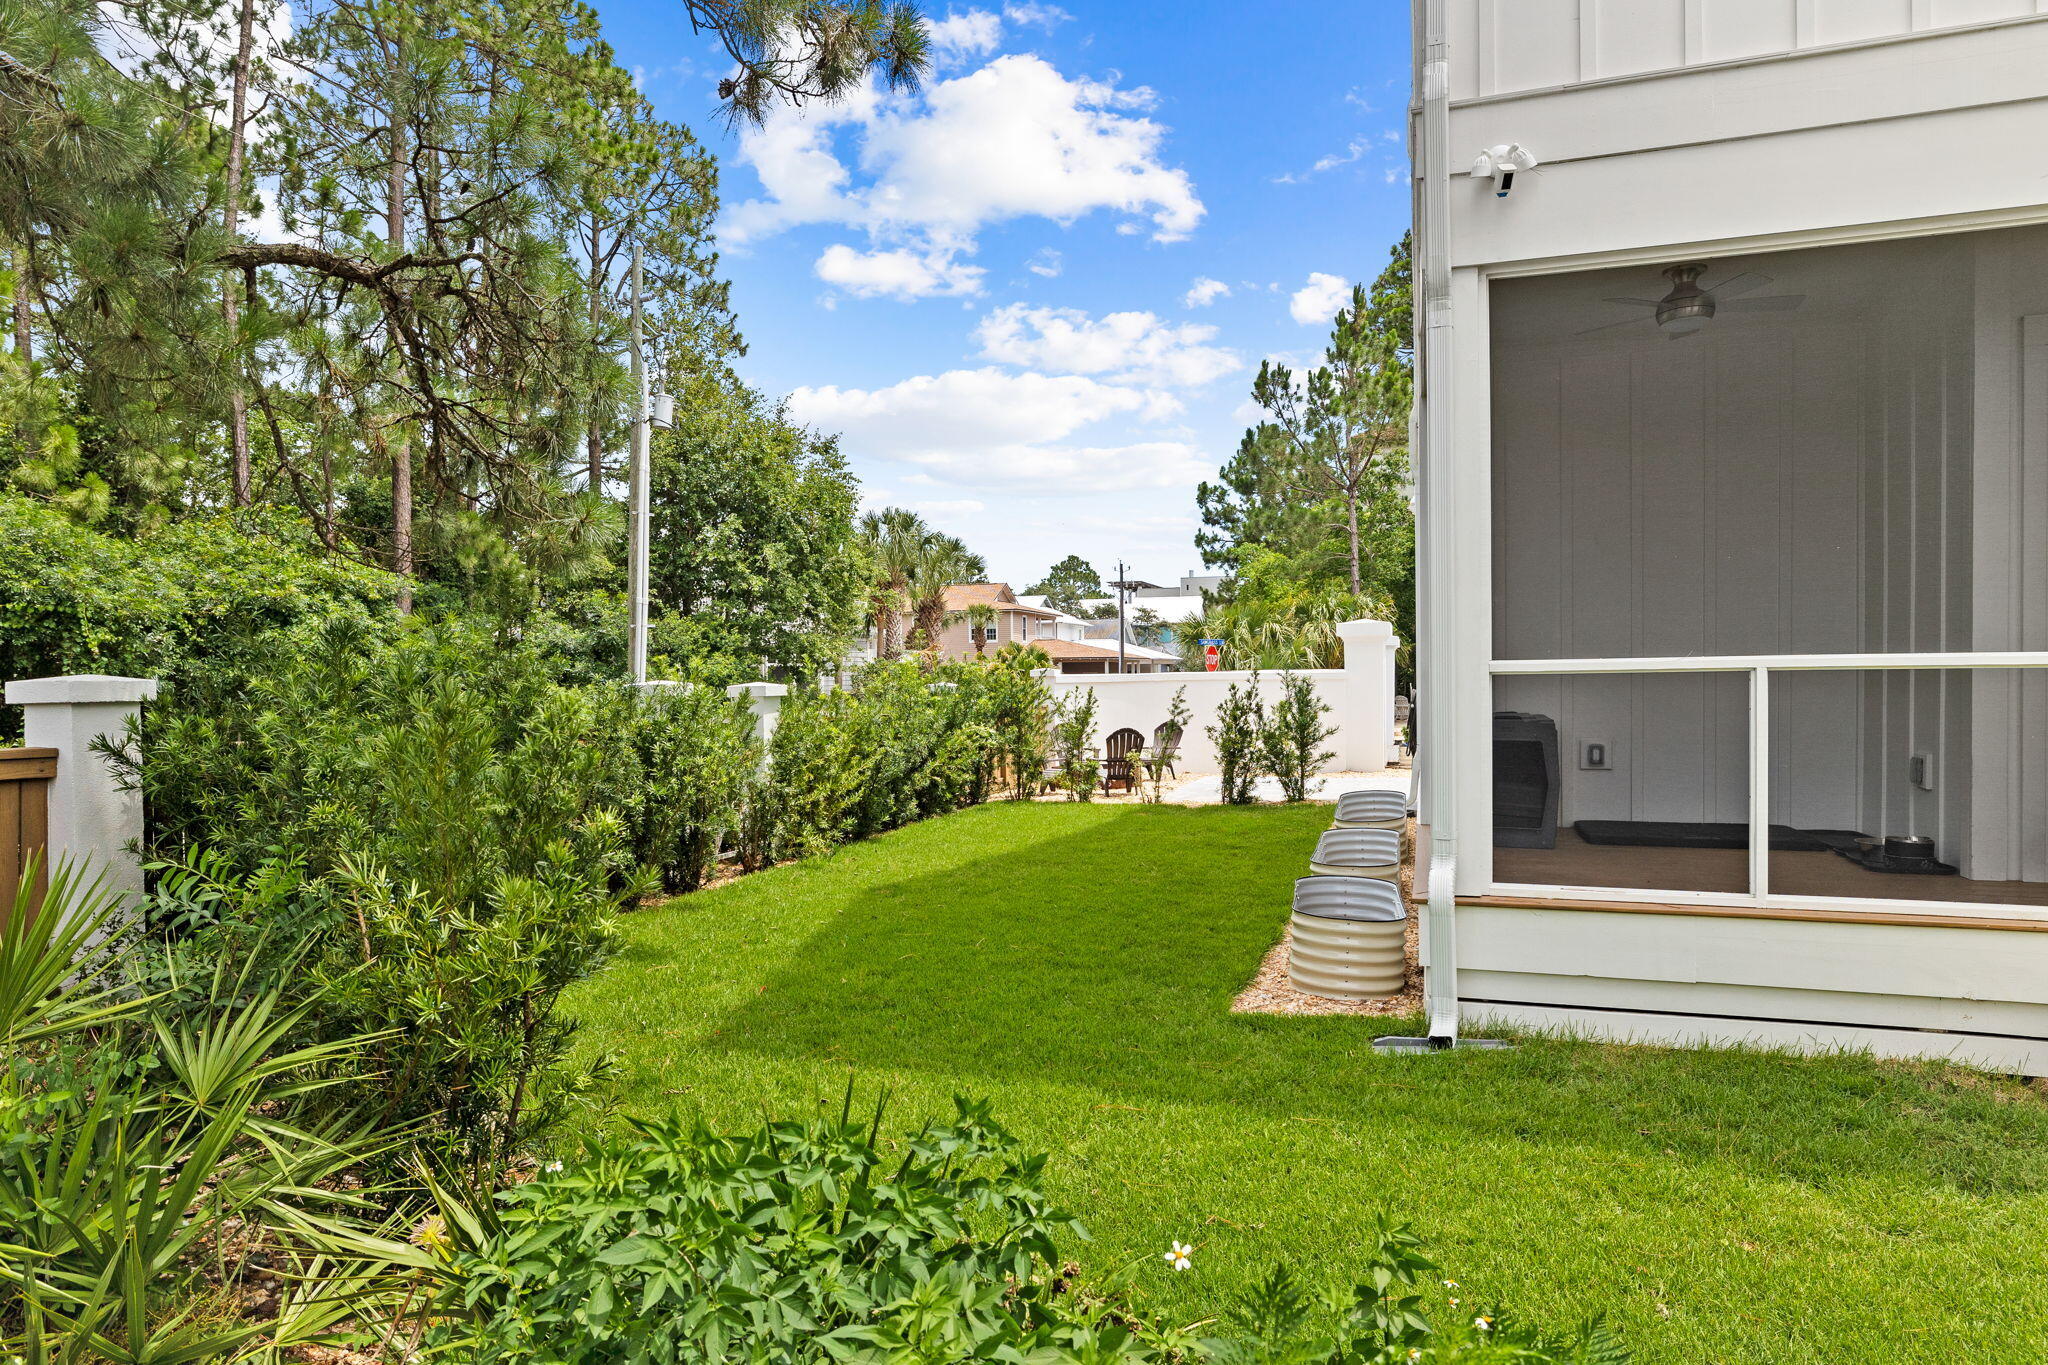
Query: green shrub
x=440 y=820
x=77 y=600
x=1291 y=740
x=693 y=764
x=802 y=1241
x=1073 y=725
x=1240 y=717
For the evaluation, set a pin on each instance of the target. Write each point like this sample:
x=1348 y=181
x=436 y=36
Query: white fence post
x=1368 y=685
x=764 y=699
x=93 y=822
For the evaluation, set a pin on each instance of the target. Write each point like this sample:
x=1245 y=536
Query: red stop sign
x=1212 y=656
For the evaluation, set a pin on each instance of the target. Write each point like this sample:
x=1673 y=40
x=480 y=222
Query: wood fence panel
x=24 y=823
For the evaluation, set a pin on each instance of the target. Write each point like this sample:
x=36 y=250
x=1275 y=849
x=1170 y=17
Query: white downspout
x=1440 y=688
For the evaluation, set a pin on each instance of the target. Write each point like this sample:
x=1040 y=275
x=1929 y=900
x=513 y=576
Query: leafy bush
x=1018 y=706
x=802 y=1241
x=437 y=816
x=1291 y=739
x=77 y=600
x=693 y=762
x=1382 y=1320
x=1073 y=724
x=1240 y=717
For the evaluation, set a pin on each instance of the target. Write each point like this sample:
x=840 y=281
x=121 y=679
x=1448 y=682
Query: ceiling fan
x=1688 y=307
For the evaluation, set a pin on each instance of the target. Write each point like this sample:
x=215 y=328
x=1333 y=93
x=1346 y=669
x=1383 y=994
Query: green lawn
x=1076 y=963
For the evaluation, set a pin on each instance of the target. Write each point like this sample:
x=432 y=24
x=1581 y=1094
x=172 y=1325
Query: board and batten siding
x=1534 y=44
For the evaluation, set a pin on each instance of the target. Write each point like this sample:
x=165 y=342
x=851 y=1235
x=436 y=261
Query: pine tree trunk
x=401 y=449
x=238 y=401
x=1351 y=532
x=594 y=435
x=24 y=335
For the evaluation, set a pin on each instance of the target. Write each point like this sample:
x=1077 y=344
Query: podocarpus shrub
x=1291 y=740
x=1240 y=716
x=440 y=818
x=1072 y=726
x=693 y=758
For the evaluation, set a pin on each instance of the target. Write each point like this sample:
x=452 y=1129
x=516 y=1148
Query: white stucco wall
x=1360 y=696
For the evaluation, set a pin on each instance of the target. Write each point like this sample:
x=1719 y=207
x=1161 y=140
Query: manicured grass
x=1076 y=963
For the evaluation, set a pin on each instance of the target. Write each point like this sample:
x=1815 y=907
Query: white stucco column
x=93 y=822
x=764 y=699
x=1366 y=709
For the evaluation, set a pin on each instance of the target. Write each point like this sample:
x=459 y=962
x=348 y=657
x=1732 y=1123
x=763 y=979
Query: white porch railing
x=1759 y=667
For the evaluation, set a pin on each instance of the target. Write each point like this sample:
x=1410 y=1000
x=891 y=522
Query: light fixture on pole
x=662 y=414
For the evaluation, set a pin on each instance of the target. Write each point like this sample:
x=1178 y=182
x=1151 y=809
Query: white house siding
x=1673 y=130
x=1513 y=45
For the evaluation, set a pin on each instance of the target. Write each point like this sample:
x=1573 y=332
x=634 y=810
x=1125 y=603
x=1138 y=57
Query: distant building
x=1172 y=605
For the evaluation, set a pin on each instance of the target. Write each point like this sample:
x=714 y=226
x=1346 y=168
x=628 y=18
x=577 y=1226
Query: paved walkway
x=1206 y=789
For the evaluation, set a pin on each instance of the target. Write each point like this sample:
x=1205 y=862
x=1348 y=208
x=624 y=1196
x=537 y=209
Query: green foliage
x=1290 y=741
x=1019 y=707
x=901 y=744
x=1073 y=725
x=442 y=820
x=143 y=1159
x=1066 y=583
x=1240 y=721
x=802 y=1241
x=74 y=599
x=1381 y=1321
x=752 y=557
x=694 y=757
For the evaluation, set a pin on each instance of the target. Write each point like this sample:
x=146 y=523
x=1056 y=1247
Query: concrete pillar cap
x=80 y=688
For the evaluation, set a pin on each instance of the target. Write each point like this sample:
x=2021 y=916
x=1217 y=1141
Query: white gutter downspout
x=1435 y=359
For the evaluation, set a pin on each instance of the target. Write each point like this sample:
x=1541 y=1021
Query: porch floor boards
x=1574 y=862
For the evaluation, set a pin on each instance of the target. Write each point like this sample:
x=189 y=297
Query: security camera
x=1499 y=163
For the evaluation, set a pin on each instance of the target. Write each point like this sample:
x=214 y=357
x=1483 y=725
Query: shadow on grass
x=1100 y=948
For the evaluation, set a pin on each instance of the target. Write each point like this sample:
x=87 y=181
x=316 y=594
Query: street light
x=649 y=411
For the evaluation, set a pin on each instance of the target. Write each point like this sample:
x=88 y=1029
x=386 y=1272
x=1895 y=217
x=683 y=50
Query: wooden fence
x=24 y=822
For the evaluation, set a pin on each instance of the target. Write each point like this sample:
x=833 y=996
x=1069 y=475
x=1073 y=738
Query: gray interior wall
x=1808 y=481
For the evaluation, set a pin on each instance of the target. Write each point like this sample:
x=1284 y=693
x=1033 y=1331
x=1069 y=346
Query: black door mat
x=1877 y=860
x=1710 y=834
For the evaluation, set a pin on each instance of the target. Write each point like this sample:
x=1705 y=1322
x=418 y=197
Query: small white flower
x=1483 y=1324
x=552 y=1167
x=1450 y=1284
x=1180 y=1257
x=1415 y=1353
x=1454 y=1303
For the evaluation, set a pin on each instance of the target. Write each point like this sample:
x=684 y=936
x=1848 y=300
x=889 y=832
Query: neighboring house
x=1171 y=605
x=1733 y=489
x=1015 y=620
x=1076 y=648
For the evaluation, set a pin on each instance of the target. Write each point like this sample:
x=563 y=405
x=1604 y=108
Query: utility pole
x=636 y=572
x=1122 y=591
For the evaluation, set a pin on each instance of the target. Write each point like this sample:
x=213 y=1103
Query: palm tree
x=981 y=622
x=939 y=563
x=891 y=538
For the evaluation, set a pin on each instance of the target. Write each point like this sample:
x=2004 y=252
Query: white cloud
x=958 y=37
x=1047 y=17
x=1012 y=139
x=991 y=429
x=899 y=274
x=1204 y=291
x=1319 y=299
x=1047 y=262
x=1132 y=348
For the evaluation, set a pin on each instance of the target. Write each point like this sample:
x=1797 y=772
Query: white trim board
x=2011 y=1056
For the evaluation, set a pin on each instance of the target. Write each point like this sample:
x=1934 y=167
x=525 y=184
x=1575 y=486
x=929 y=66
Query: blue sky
x=993 y=288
